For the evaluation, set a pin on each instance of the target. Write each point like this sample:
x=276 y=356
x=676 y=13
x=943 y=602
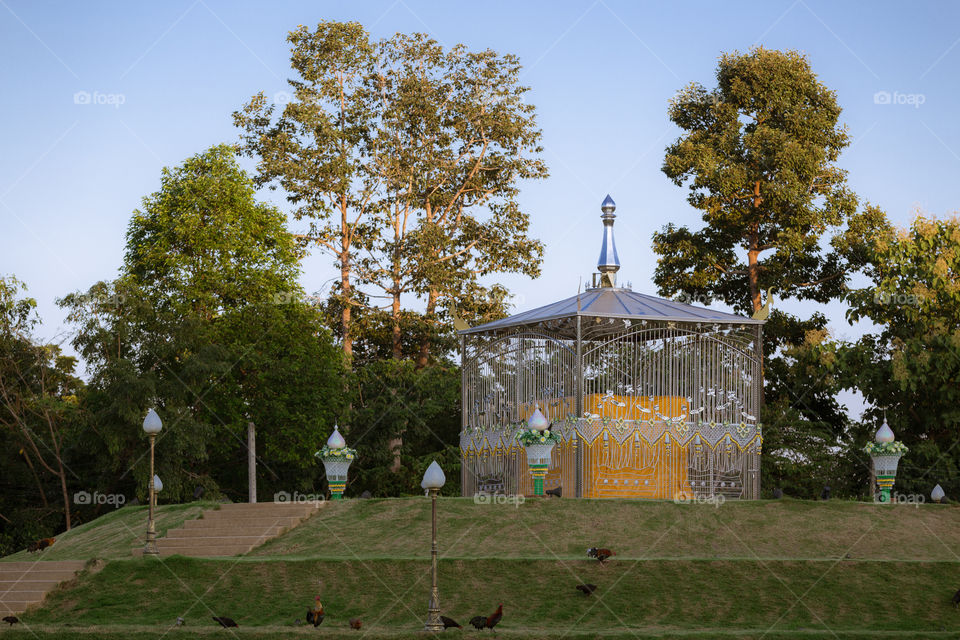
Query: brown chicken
x=495 y=617
x=315 y=615
x=600 y=554
x=356 y=623
x=40 y=544
x=586 y=589
x=11 y=620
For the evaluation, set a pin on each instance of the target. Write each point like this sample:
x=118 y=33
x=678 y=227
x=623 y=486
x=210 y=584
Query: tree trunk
x=424 y=356
x=66 y=494
x=33 y=470
x=346 y=291
x=753 y=254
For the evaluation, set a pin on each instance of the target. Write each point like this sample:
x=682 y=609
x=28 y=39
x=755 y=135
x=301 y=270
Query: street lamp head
x=433 y=478
x=336 y=441
x=884 y=433
x=152 y=423
x=537 y=421
x=157 y=485
x=937 y=494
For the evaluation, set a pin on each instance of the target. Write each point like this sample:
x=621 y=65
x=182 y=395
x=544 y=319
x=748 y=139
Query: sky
x=99 y=96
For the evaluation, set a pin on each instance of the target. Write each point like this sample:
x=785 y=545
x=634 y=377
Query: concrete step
x=227 y=521
x=72 y=565
x=210 y=532
x=270 y=506
x=212 y=541
x=25 y=583
x=21 y=596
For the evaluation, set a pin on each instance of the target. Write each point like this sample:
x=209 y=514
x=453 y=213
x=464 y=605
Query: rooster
x=356 y=623
x=586 y=589
x=600 y=554
x=495 y=617
x=225 y=622
x=451 y=623
x=11 y=620
x=40 y=545
x=316 y=614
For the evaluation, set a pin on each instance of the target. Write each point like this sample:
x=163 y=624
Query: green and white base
x=885 y=484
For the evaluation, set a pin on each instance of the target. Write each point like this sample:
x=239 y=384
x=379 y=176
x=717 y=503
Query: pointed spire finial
x=609 y=262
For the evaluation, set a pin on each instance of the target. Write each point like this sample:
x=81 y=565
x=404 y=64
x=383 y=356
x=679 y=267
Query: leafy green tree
x=910 y=367
x=208 y=324
x=38 y=395
x=758 y=155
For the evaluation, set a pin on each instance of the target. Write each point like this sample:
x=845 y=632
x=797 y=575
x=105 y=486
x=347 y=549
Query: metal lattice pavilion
x=652 y=398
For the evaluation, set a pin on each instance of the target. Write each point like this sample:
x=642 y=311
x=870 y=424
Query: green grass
x=744 y=570
x=115 y=534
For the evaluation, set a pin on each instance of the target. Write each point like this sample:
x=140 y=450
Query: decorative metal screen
x=650 y=409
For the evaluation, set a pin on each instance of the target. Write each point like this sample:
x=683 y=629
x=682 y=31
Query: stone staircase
x=233 y=529
x=25 y=583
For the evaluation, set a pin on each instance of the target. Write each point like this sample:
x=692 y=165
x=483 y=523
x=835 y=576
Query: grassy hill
x=745 y=570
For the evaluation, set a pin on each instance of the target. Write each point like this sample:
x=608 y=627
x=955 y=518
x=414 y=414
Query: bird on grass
x=315 y=615
x=586 y=589
x=478 y=622
x=451 y=623
x=356 y=623
x=40 y=544
x=956 y=600
x=495 y=617
x=225 y=622
x=11 y=620
x=600 y=554
x=555 y=492
x=180 y=621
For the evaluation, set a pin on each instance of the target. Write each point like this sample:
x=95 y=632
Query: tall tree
x=208 y=324
x=315 y=148
x=758 y=154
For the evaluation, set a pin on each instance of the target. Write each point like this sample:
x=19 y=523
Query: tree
x=407 y=159
x=314 y=150
x=208 y=324
x=909 y=369
x=38 y=391
x=758 y=155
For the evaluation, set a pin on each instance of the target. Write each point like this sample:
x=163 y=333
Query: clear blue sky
x=167 y=76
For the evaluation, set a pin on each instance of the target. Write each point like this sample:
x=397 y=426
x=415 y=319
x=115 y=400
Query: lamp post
x=336 y=457
x=538 y=442
x=152 y=426
x=433 y=480
x=886 y=453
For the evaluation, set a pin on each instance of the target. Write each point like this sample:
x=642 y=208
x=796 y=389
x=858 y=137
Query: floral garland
x=532 y=436
x=343 y=452
x=885 y=448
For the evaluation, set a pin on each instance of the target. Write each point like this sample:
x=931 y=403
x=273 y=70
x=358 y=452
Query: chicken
x=956 y=599
x=315 y=615
x=40 y=545
x=586 y=589
x=479 y=622
x=495 y=617
x=555 y=492
x=225 y=622
x=600 y=554
x=450 y=622
x=180 y=621
x=11 y=620
x=356 y=623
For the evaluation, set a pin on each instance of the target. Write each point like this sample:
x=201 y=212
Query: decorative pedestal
x=336 y=468
x=885 y=467
x=538 y=457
